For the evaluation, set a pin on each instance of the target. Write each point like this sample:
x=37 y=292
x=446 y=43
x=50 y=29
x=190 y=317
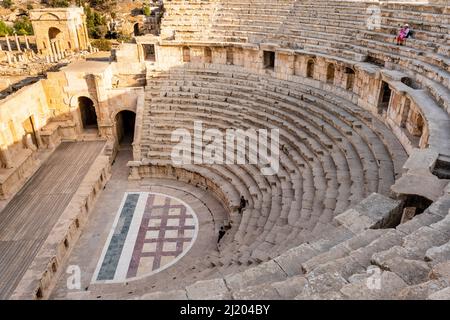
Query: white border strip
x=108 y=240
x=130 y=241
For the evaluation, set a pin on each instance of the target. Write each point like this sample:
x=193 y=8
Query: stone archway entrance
x=125 y=121
x=54 y=33
x=88 y=114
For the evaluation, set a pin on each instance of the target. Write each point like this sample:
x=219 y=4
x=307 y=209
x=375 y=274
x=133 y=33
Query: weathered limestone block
x=380 y=258
x=421 y=160
x=318 y=284
x=291 y=287
x=214 y=289
x=411 y=271
x=265 y=272
x=376 y=211
x=386 y=289
x=438 y=254
x=291 y=260
x=422 y=290
x=441 y=271
x=443 y=294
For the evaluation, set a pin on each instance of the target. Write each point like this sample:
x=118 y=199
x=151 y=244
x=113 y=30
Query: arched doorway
x=88 y=115
x=125 y=121
x=53 y=33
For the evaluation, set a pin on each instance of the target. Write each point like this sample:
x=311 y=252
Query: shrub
x=59 y=3
x=4 y=29
x=7 y=4
x=101 y=44
x=22 y=26
x=96 y=24
x=146 y=10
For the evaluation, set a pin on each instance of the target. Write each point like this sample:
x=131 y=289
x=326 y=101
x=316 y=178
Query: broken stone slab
x=318 y=284
x=214 y=289
x=421 y=160
x=291 y=287
x=386 y=287
x=379 y=258
x=411 y=271
x=425 y=185
x=291 y=260
x=266 y=272
x=374 y=212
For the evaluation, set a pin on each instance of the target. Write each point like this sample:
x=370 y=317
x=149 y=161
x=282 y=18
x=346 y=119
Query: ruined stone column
x=5 y=154
x=27 y=44
x=54 y=52
x=61 y=52
x=17 y=42
x=58 y=54
x=7 y=43
x=8 y=56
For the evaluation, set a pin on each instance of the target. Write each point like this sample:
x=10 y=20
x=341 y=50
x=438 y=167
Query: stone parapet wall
x=45 y=269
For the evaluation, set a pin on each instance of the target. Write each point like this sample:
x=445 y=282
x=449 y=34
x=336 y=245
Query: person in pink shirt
x=403 y=34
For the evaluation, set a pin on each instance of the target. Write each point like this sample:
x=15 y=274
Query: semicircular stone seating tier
x=334 y=153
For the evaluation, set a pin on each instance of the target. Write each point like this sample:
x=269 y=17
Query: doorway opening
x=385 y=97
x=88 y=115
x=269 y=60
x=149 y=52
x=125 y=122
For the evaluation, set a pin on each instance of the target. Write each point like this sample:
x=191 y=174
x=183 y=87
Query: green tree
x=7 y=4
x=22 y=26
x=101 y=44
x=4 y=29
x=59 y=3
x=146 y=10
x=96 y=23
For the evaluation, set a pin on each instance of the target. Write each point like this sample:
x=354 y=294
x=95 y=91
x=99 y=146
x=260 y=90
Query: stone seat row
x=338 y=266
x=169 y=117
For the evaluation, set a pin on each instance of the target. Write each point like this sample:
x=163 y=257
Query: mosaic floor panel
x=150 y=233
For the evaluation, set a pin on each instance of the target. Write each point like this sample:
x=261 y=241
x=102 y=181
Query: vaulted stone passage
x=88 y=113
x=125 y=125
